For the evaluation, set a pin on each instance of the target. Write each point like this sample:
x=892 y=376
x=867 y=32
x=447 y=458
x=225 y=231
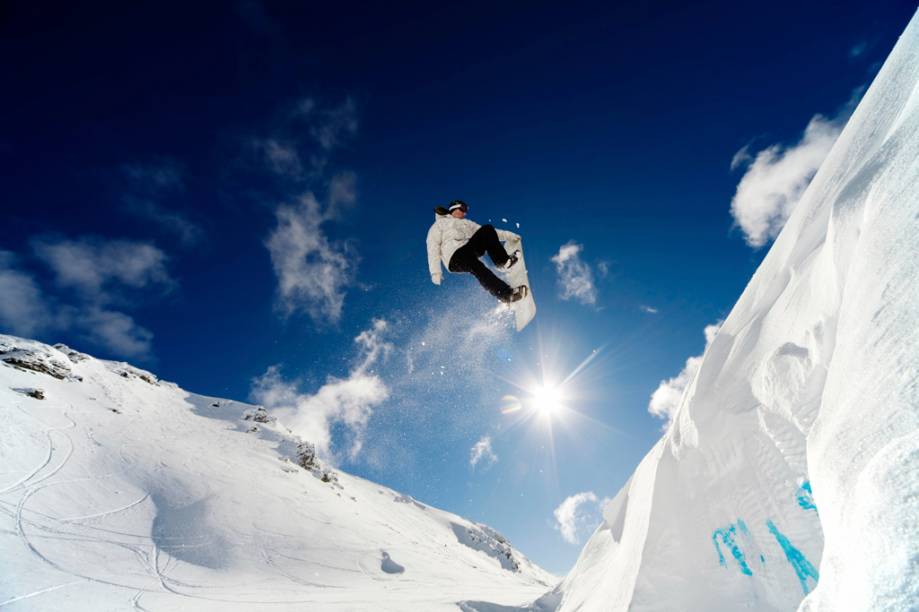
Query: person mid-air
x=459 y=243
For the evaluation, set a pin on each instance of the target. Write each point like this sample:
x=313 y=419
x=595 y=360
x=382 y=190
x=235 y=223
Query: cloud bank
x=98 y=268
x=94 y=281
x=22 y=305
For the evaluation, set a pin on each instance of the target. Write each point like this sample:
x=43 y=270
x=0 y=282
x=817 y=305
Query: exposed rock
x=130 y=372
x=485 y=539
x=259 y=415
x=306 y=456
x=74 y=355
x=27 y=358
x=35 y=393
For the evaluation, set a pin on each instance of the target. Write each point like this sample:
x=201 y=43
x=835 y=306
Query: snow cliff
x=790 y=475
x=121 y=491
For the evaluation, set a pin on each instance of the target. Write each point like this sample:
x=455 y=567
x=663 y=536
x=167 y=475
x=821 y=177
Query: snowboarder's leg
x=466 y=260
x=485 y=240
x=492 y=283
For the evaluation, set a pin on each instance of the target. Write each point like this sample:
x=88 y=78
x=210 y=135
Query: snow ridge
x=790 y=473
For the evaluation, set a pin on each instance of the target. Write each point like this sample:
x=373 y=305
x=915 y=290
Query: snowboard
x=525 y=309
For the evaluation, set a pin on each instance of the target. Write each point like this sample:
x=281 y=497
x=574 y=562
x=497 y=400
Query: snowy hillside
x=791 y=471
x=121 y=491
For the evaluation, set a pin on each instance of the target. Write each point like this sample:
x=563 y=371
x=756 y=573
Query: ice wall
x=791 y=472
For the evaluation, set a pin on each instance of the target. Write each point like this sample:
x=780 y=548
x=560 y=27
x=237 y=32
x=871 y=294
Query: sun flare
x=547 y=399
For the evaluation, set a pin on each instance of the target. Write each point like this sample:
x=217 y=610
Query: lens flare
x=509 y=404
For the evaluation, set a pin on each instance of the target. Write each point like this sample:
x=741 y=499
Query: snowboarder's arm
x=503 y=235
x=435 y=238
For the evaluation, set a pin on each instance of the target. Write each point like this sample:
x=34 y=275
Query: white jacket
x=446 y=235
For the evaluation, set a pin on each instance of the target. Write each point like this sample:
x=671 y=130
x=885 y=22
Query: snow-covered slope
x=120 y=491
x=792 y=467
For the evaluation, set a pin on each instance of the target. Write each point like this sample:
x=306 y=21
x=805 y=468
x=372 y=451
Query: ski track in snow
x=77 y=519
x=48 y=456
x=39 y=592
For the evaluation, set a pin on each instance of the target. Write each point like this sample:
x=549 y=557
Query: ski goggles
x=458 y=204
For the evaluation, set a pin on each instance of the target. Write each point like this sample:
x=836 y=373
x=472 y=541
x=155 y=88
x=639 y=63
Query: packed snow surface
x=120 y=491
x=790 y=476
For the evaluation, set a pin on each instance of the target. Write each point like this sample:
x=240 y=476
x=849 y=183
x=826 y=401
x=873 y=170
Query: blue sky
x=170 y=170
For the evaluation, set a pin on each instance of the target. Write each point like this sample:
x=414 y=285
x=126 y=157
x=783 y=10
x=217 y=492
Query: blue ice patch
x=803 y=568
x=727 y=537
x=806 y=496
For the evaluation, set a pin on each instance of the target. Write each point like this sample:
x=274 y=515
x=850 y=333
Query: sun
x=546 y=399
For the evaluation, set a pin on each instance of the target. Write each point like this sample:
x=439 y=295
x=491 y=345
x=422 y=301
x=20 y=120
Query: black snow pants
x=466 y=259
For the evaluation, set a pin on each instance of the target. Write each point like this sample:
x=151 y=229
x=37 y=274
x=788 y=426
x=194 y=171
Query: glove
x=436 y=278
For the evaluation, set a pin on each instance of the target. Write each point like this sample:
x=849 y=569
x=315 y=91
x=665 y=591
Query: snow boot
x=518 y=294
x=511 y=260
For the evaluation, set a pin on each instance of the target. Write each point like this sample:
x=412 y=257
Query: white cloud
x=27 y=310
x=304 y=108
x=313 y=272
x=578 y=515
x=603 y=268
x=373 y=347
x=776 y=178
x=335 y=125
x=157 y=177
x=741 y=158
x=117 y=331
x=299 y=144
x=147 y=186
x=481 y=451
x=342 y=193
x=282 y=158
x=174 y=222
x=348 y=402
x=575 y=277
x=649 y=309
x=22 y=306
x=95 y=267
x=668 y=396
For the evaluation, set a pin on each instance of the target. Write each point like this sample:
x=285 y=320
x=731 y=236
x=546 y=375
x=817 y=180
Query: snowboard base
x=524 y=310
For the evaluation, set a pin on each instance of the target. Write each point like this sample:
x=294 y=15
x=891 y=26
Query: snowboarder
x=459 y=243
